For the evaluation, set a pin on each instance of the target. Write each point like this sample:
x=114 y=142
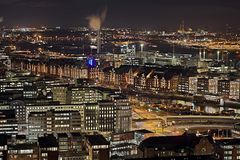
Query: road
x=153 y=121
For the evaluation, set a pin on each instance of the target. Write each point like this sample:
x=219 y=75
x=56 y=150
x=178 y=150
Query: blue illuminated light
x=91 y=62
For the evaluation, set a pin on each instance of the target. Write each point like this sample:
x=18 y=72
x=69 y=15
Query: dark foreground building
x=97 y=147
x=187 y=147
x=228 y=148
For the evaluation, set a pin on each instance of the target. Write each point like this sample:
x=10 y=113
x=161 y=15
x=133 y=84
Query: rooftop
x=172 y=142
x=97 y=140
x=47 y=141
x=228 y=141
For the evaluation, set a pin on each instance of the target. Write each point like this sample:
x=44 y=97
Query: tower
x=182 y=27
x=99 y=41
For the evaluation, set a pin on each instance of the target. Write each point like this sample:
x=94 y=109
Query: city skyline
x=166 y=15
x=119 y=79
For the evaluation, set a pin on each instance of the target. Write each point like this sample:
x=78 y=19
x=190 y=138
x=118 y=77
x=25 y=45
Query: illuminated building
x=134 y=61
x=107 y=116
x=126 y=144
x=5 y=60
x=46 y=107
x=30 y=92
x=80 y=95
x=118 y=59
x=224 y=88
x=67 y=68
x=203 y=65
x=109 y=76
x=183 y=86
x=123 y=114
x=202 y=86
x=23 y=151
x=8 y=122
x=91 y=114
x=63 y=141
x=104 y=116
x=155 y=83
x=235 y=90
x=6 y=85
x=60 y=94
x=71 y=146
x=51 y=121
x=213 y=86
x=140 y=81
x=130 y=50
x=85 y=82
x=97 y=147
x=228 y=148
x=193 y=85
x=20 y=110
x=48 y=147
x=174 y=80
x=76 y=142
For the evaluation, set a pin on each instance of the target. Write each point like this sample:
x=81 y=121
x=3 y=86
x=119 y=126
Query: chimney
x=99 y=41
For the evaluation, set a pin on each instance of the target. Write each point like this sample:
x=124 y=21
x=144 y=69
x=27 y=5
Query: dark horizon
x=213 y=15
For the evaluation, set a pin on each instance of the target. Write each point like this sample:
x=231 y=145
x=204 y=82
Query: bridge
x=199 y=119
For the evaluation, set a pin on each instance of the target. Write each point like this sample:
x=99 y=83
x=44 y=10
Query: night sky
x=143 y=14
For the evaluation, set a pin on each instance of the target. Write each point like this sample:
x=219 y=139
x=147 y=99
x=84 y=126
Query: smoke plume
x=1 y=19
x=96 y=21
